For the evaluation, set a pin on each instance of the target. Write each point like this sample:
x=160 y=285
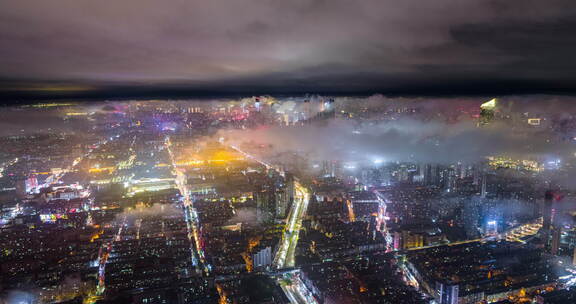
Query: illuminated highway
x=296 y=292
x=513 y=235
x=528 y=229
x=381 y=220
x=190 y=215
x=103 y=256
x=569 y=280
x=285 y=255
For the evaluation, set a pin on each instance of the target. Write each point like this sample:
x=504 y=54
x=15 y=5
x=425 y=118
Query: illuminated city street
x=104 y=253
x=238 y=202
x=287 y=152
x=190 y=215
x=296 y=291
x=285 y=255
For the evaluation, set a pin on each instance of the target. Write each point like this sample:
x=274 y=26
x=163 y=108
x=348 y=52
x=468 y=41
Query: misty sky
x=266 y=46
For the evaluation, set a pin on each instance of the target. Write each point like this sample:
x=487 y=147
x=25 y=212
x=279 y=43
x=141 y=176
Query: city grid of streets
x=150 y=194
x=191 y=217
x=296 y=291
x=287 y=152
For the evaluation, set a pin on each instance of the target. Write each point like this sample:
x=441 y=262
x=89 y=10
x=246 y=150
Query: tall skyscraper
x=285 y=197
x=487 y=111
x=265 y=200
x=547 y=219
x=477 y=172
x=431 y=174
x=556 y=233
x=547 y=210
x=447 y=293
x=262 y=258
x=450 y=180
x=483 y=190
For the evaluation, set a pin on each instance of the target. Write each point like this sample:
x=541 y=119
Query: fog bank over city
x=402 y=140
x=102 y=198
x=436 y=131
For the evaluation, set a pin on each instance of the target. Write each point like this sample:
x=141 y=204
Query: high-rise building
x=265 y=202
x=285 y=197
x=327 y=169
x=262 y=258
x=491 y=228
x=487 y=111
x=307 y=110
x=477 y=173
x=257 y=104
x=547 y=218
x=483 y=190
x=547 y=210
x=472 y=211
x=331 y=168
x=282 y=200
x=555 y=245
x=450 y=180
x=431 y=174
x=403 y=175
x=447 y=293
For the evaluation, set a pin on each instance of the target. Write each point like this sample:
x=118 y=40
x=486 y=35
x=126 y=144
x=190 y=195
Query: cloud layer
x=426 y=137
x=287 y=45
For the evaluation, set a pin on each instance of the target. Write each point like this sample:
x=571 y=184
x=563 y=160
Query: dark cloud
x=139 y=47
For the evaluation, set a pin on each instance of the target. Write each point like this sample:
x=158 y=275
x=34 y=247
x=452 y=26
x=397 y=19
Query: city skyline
x=287 y=152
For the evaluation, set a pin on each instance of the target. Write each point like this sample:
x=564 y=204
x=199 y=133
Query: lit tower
x=547 y=218
x=483 y=189
x=487 y=111
x=547 y=211
x=556 y=228
x=307 y=110
x=257 y=104
x=555 y=245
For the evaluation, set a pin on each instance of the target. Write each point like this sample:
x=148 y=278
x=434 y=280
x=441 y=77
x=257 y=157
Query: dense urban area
x=311 y=199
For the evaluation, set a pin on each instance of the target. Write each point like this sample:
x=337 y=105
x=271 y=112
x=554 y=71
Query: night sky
x=144 y=48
